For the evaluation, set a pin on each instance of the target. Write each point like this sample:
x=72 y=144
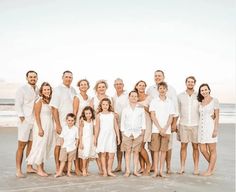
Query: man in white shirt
x=120 y=101
x=188 y=123
x=24 y=104
x=62 y=104
x=159 y=77
x=133 y=125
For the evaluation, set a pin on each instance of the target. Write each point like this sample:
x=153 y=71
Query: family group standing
x=81 y=128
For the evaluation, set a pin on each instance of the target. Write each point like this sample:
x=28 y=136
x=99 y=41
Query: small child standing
x=133 y=125
x=70 y=137
x=162 y=112
x=106 y=133
x=86 y=145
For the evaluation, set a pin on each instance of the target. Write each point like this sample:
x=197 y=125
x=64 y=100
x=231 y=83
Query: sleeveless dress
x=42 y=146
x=206 y=123
x=107 y=137
x=96 y=102
x=148 y=130
x=87 y=139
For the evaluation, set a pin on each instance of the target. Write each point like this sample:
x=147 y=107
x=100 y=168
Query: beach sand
x=222 y=180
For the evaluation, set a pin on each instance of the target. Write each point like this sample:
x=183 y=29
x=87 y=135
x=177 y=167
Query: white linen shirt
x=62 y=99
x=171 y=94
x=69 y=136
x=162 y=109
x=188 y=109
x=24 y=101
x=120 y=102
x=133 y=121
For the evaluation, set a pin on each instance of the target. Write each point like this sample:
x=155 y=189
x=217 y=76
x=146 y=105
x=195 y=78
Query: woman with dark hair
x=208 y=126
x=43 y=131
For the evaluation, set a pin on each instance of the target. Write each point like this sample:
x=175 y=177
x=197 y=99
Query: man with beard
x=188 y=123
x=24 y=104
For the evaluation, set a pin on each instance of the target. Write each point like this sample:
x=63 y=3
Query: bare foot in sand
x=111 y=174
x=30 y=169
x=42 y=174
x=118 y=169
x=137 y=174
x=206 y=173
x=19 y=174
x=127 y=174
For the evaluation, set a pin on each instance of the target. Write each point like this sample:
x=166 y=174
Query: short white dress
x=107 y=137
x=42 y=146
x=88 y=142
x=206 y=122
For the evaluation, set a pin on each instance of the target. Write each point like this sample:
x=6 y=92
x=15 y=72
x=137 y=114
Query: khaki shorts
x=159 y=143
x=188 y=134
x=67 y=156
x=25 y=131
x=59 y=140
x=129 y=143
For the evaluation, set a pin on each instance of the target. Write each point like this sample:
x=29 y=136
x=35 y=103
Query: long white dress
x=42 y=146
x=206 y=122
x=87 y=139
x=107 y=137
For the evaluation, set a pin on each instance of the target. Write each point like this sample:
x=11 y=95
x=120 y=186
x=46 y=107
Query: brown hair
x=100 y=105
x=45 y=99
x=87 y=108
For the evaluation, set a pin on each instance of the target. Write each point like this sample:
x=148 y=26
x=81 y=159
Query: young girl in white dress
x=208 y=126
x=86 y=135
x=106 y=135
x=43 y=131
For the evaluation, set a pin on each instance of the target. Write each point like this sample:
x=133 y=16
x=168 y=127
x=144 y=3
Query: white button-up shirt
x=188 y=109
x=24 y=101
x=171 y=94
x=69 y=136
x=120 y=102
x=62 y=99
x=162 y=109
x=133 y=121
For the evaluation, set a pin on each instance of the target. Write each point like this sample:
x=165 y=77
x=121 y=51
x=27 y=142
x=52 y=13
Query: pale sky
x=130 y=39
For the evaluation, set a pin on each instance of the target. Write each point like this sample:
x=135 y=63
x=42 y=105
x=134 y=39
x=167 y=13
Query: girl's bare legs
x=62 y=165
x=212 y=161
x=204 y=151
x=127 y=162
x=145 y=158
x=99 y=164
x=110 y=163
x=103 y=162
x=84 y=170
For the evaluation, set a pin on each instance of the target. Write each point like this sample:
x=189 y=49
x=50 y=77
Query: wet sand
x=222 y=180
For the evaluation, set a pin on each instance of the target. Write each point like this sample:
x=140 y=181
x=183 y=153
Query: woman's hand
x=41 y=133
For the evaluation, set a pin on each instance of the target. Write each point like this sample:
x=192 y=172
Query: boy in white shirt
x=70 y=137
x=133 y=124
x=162 y=112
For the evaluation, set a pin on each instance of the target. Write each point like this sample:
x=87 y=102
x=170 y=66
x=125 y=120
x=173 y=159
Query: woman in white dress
x=106 y=135
x=208 y=126
x=144 y=101
x=43 y=131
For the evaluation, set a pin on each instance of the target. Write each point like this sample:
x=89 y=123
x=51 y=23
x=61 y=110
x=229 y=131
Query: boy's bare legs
x=183 y=155
x=69 y=166
x=168 y=161
x=212 y=161
x=162 y=162
x=30 y=168
x=195 y=158
x=136 y=156
x=127 y=162
x=155 y=162
x=110 y=163
x=62 y=165
x=56 y=157
x=152 y=166
x=84 y=169
x=19 y=158
x=103 y=162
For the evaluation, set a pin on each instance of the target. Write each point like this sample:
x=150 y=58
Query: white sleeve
x=19 y=101
x=55 y=101
x=152 y=106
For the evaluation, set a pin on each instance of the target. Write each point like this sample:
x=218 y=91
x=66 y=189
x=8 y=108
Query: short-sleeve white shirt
x=69 y=136
x=163 y=109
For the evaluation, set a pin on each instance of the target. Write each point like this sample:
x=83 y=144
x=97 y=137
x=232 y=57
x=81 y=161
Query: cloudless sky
x=129 y=39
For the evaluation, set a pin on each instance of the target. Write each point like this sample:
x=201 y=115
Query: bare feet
x=127 y=174
x=118 y=169
x=111 y=174
x=19 y=174
x=42 y=174
x=30 y=169
x=137 y=174
x=85 y=173
x=206 y=173
x=58 y=175
x=181 y=172
x=69 y=174
x=141 y=171
x=168 y=172
x=161 y=175
x=155 y=175
x=77 y=172
x=196 y=172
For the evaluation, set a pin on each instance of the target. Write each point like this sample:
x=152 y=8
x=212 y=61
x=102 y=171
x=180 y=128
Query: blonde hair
x=100 y=82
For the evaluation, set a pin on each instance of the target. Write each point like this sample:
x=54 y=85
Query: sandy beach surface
x=222 y=180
